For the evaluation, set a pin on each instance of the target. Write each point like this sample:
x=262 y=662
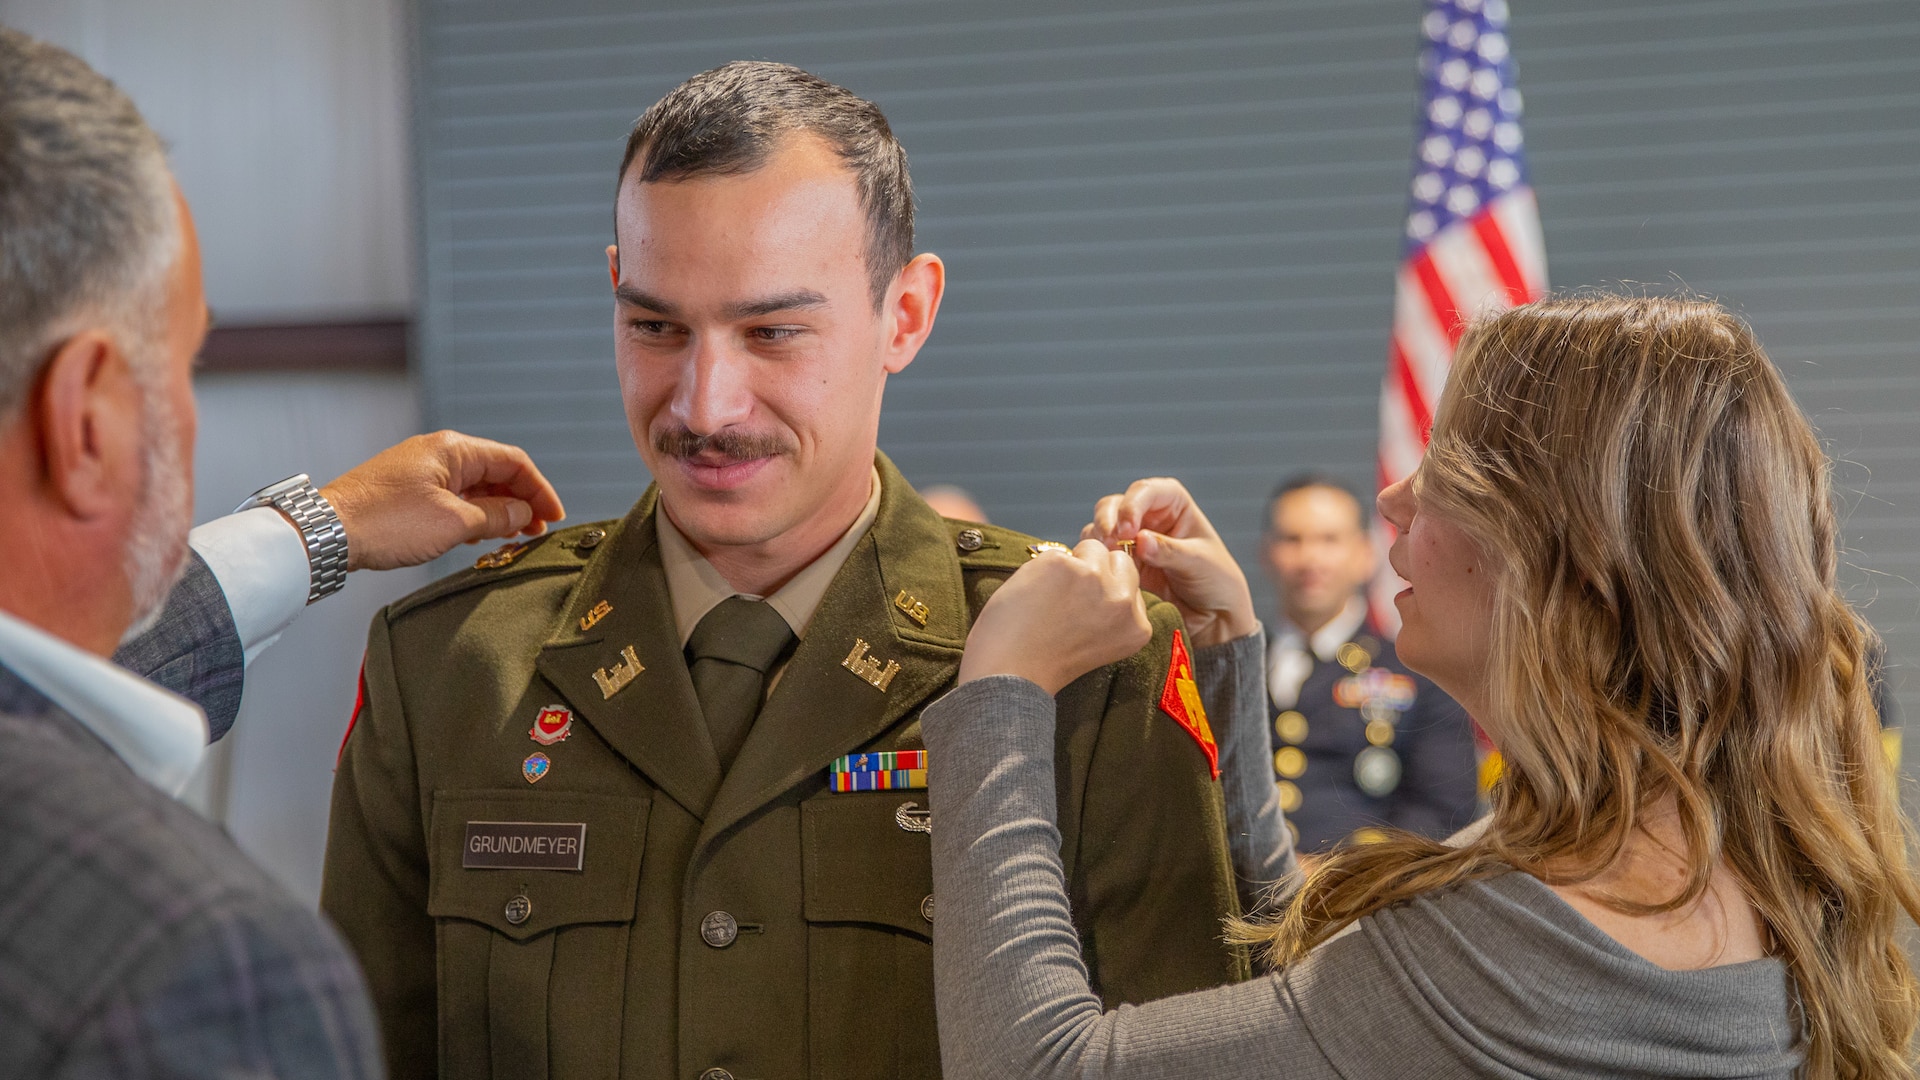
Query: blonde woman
x=1622 y=553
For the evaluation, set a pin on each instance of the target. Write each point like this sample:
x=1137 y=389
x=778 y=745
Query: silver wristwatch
x=320 y=530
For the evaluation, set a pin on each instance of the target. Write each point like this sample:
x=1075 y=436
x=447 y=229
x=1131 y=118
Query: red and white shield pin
x=554 y=723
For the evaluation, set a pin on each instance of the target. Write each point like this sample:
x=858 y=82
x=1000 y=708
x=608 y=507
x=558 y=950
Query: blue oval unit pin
x=535 y=767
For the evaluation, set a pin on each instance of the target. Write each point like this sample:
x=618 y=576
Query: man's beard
x=156 y=551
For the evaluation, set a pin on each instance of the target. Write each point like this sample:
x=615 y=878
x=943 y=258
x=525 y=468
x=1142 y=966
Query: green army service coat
x=754 y=924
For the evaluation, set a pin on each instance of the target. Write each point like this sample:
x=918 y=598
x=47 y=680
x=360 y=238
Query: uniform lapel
x=821 y=709
x=654 y=721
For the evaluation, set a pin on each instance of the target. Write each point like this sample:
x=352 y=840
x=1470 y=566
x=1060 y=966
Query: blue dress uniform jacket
x=1431 y=742
x=747 y=923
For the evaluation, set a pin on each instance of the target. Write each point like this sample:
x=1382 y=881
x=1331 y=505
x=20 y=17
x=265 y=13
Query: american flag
x=1473 y=239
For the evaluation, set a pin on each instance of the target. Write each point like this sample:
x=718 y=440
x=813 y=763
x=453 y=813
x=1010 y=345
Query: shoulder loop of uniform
x=559 y=552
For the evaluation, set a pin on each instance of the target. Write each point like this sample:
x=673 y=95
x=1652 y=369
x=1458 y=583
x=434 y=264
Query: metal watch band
x=323 y=534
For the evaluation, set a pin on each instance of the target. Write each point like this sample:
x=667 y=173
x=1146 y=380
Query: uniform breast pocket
x=868 y=902
x=532 y=895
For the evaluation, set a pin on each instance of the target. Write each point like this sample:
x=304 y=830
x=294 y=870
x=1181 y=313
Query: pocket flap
x=507 y=858
x=862 y=866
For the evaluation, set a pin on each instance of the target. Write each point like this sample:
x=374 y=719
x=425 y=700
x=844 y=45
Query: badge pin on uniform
x=615 y=679
x=600 y=611
x=868 y=667
x=912 y=605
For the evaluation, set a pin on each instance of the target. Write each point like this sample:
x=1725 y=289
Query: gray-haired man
x=135 y=939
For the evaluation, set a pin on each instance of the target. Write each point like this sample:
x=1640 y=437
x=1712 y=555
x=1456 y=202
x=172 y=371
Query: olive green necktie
x=729 y=655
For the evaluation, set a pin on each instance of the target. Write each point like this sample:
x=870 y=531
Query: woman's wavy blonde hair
x=1658 y=516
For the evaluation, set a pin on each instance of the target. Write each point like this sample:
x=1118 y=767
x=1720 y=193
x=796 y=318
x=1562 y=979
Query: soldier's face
x=1318 y=553
x=751 y=356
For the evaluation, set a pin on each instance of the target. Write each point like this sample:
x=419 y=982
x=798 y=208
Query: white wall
x=287 y=123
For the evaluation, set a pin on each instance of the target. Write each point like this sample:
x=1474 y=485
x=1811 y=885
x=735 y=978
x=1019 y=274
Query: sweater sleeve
x=1232 y=682
x=1013 y=998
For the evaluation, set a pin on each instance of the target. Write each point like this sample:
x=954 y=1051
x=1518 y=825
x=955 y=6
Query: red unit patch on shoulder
x=359 y=702
x=1180 y=699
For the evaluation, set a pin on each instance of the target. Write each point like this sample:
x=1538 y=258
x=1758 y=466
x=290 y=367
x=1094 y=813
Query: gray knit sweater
x=1495 y=978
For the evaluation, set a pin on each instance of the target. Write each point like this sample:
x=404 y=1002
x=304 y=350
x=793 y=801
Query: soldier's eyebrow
x=796 y=300
x=633 y=297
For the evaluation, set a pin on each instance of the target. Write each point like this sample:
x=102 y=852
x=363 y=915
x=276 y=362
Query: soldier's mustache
x=734 y=445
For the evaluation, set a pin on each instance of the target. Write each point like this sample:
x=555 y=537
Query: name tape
x=525 y=845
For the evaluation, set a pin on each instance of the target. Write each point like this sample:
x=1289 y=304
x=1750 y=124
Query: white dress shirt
x=261 y=566
x=1288 y=660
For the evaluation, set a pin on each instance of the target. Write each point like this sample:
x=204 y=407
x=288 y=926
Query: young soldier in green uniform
x=593 y=818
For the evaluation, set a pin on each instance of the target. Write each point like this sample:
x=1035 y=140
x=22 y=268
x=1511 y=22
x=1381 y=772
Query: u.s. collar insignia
x=913 y=606
x=1180 y=699
x=553 y=725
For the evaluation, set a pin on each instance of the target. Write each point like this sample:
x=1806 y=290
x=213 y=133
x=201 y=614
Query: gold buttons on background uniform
x=1380 y=732
x=926 y=908
x=1290 y=762
x=716 y=1074
x=1289 y=796
x=1291 y=726
x=1353 y=658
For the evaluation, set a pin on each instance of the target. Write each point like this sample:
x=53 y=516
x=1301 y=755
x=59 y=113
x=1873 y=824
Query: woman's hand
x=1181 y=557
x=1059 y=617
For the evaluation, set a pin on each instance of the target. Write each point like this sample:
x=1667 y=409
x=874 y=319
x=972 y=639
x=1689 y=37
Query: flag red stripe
x=1417 y=408
x=1446 y=312
x=1487 y=228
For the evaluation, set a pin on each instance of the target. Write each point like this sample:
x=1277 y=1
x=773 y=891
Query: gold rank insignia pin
x=1047 y=547
x=915 y=609
x=615 y=679
x=499 y=557
x=600 y=611
x=868 y=667
x=1127 y=546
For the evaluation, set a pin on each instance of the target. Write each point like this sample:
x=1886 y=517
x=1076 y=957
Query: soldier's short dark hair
x=727 y=121
x=1301 y=482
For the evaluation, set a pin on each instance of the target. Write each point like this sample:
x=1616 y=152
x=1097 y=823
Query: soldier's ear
x=911 y=305
x=613 y=264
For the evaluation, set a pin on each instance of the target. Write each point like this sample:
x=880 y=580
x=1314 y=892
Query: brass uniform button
x=519 y=909
x=1290 y=762
x=719 y=929
x=1289 y=796
x=926 y=908
x=590 y=539
x=1291 y=726
x=716 y=1074
x=1354 y=658
x=970 y=540
x=1380 y=733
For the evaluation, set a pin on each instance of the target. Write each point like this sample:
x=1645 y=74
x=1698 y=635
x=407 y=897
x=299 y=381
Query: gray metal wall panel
x=1172 y=228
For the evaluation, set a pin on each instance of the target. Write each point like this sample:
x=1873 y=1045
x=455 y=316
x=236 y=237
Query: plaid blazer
x=194 y=650
x=136 y=941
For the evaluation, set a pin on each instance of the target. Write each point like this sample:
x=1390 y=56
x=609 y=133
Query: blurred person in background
x=1361 y=743
x=137 y=940
x=954 y=502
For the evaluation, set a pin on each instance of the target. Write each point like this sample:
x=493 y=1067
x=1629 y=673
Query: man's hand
x=1181 y=557
x=415 y=501
x=1059 y=617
